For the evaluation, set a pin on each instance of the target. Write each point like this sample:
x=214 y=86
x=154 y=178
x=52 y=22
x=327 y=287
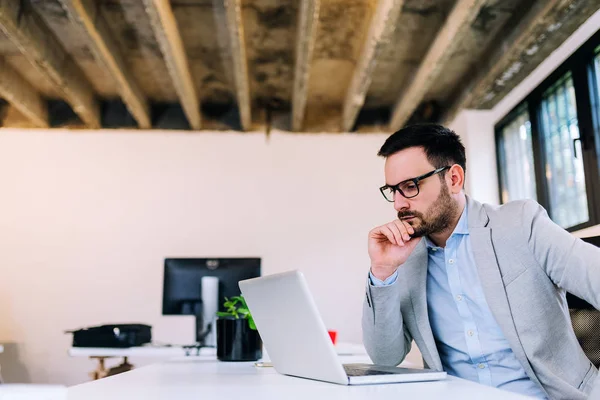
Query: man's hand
x=390 y=245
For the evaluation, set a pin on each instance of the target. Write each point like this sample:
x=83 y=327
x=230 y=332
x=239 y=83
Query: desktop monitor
x=182 y=293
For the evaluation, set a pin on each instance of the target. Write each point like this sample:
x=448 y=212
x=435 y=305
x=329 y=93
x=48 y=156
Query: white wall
x=477 y=127
x=86 y=219
x=477 y=133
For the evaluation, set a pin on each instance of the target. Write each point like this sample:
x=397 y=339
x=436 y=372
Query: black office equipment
x=182 y=283
x=117 y=335
x=595 y=240
x=586 y=320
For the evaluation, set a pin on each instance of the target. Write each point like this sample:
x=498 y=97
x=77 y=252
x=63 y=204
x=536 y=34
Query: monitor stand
x=201 y=333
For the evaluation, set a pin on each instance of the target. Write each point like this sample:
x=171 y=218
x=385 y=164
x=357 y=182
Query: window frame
x=587 y=98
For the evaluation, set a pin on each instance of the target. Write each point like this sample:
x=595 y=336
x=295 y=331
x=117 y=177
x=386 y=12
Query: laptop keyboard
x=353 y=371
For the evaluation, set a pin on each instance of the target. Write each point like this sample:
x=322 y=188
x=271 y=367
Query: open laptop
x=297 y=341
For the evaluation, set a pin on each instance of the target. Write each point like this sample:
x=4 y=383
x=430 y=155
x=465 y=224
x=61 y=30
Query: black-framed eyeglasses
x=408 y=188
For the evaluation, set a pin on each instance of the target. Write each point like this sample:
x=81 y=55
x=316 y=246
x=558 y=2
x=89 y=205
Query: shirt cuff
x=388 y=281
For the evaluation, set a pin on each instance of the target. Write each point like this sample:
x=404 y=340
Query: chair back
x=586 y=320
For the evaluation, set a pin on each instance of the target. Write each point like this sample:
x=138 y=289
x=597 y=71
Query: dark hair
x=442 y=145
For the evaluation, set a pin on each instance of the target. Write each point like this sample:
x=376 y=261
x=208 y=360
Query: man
x=480 y=289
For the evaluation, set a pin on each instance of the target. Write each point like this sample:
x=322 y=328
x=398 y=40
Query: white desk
x=204 y=377
x=32 y=392
x=102 y=353
x=167 y=352
x=141 y=351
x=342 y=349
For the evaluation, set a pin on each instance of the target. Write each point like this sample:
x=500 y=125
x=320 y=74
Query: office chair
x=586 y=320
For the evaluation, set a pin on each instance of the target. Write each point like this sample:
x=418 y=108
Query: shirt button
x=471 y=333
x=451 y=261
x=458 y=297
x=481 y=366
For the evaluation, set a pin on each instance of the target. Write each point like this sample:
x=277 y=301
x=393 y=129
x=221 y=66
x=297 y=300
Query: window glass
x=516 y=158
x=563 y=156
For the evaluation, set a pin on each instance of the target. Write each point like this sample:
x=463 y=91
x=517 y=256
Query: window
x=597 y=70
x=596 y=99
x=545 y=146
x=516 y=151
x=563 y=154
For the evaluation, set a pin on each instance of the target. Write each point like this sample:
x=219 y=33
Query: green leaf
x=243 y=301
x=251 y=323
x=243 y=310
x=224 y=314
x=236 y=307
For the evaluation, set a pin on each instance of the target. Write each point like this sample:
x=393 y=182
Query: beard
x=437 y=218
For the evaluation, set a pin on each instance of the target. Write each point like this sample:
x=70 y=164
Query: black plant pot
x=236 y=341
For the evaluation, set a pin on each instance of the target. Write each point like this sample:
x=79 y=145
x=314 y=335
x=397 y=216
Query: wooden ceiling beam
x=520 y=52
x=167 y=35
x=237 y=45
x=18 y=92
x=43 y=50
x=381 y=27
x=87 y=17
x=308 y=21
x=457 y=26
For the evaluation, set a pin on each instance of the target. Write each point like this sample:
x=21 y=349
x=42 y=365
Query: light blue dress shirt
x=470 y=343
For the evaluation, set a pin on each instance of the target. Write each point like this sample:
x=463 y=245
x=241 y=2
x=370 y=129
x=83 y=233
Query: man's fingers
x=403 y=229
x=383 y=232
x=390 y=235
x=398 y=234
x=409 y=228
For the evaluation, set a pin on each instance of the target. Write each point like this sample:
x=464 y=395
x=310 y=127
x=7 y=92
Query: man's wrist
x=382 y=273
x=391 y=279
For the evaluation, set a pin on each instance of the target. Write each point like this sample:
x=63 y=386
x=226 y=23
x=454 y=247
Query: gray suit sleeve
x=595 y=393
x=385 y=337
x=571 y=263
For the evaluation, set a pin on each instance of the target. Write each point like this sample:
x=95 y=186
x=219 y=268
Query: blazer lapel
x=416 y=274
x=491 y=280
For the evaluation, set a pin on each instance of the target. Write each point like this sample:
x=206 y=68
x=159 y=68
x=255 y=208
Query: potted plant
x=237 y=337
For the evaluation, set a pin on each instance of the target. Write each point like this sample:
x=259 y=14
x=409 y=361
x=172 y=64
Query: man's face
x=434 y=208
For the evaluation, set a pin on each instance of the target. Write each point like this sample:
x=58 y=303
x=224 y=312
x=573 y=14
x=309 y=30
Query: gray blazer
x=525 y=263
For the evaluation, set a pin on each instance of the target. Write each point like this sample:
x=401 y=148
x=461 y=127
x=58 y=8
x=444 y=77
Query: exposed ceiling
x=302 y=65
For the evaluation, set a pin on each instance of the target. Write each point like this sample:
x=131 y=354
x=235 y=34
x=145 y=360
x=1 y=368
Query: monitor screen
x=183 y=278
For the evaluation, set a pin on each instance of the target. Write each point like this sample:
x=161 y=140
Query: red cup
x=332 y=335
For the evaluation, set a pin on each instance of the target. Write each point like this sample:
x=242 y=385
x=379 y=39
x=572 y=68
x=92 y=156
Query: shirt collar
x=462 y=228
